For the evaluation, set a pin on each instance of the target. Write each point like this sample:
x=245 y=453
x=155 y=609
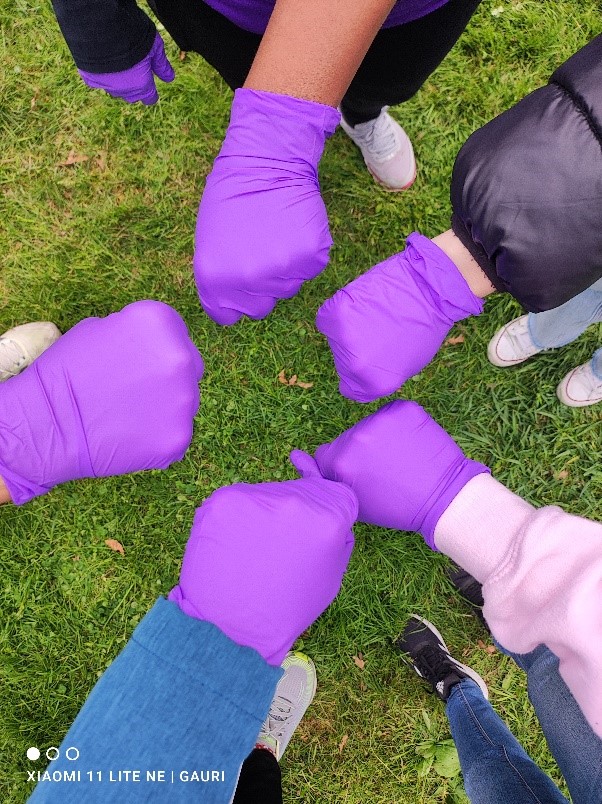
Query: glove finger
x=161 y=66
x=305 y=464
x=151 y=96
x=147 y=96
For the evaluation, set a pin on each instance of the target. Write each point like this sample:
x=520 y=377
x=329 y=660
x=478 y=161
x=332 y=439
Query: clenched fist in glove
x=137 y=83
x=262 y=228
x=404 y=468
x=113 y=395
x=244 y=535
x=387 y=324
x=541 y=569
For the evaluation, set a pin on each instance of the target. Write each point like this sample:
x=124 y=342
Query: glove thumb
x=305 y=464
x=160 y=63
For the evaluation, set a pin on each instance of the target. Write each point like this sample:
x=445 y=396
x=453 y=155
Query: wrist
x=451 y=292
x=265 y=124
x=465 y=263
x=4 y=493
x=264 y=647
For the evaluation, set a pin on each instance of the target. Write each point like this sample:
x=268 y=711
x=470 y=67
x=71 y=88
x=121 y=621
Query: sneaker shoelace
x=380 y=138
x=433 y=664
x=593 y=385
x=12 y=358
x=521 y=340
x=280 y=711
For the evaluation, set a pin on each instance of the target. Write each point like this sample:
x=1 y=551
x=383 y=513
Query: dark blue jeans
x=497 y=769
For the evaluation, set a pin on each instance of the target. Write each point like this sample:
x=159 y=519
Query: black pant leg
x=260 y=781
x=401 y=59
x=196 y=27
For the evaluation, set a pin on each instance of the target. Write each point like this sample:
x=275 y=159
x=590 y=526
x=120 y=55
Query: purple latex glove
x=112 y=395
x=138 y=82
x=387 y=324
x=404 y=467
x=262 y=228
x=264 y=561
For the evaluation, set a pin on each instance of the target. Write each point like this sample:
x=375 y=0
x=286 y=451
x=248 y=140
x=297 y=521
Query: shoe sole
x=468 y=670
x=386 y=187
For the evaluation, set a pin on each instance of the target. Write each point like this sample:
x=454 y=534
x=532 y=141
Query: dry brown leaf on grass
x=74 y=159
x=182 y=55
x=359 y=661
x=455 y=340
x=293 y=380
x=562 y=475
x=113 y=544
x=486 y=648
x=343 y=743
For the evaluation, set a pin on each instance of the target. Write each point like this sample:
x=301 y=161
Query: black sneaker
x=427 y=654
x=469 y=588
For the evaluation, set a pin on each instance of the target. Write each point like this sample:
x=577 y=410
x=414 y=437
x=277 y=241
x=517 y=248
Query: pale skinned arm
x=476 y=280
x=312 y=50
x=4 y=495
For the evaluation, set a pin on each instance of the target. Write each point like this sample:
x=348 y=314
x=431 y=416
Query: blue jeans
x=563 y=324
x=496 y=768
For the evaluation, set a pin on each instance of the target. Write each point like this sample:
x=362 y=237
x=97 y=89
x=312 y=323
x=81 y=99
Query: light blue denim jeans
x=563 y=324
x=496 y=768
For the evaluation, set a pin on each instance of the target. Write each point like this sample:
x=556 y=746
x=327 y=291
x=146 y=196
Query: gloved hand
x=387 y=324
x=262 y=228
x=404 y=468
x=137 y=83
x=264 y=561
x=113 y=395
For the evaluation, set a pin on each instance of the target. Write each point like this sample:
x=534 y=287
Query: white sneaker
x=580 y=387
x=512 y=344
x=294 y=693
x=386 y=149
x=21 y=345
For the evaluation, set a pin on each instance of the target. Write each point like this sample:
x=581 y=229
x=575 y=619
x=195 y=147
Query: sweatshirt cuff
x=479 y=526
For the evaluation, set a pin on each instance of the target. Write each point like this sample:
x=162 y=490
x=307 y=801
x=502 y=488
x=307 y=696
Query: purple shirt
x=254 y=15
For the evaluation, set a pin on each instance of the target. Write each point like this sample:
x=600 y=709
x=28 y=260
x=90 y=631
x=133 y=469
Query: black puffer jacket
x=527 y=188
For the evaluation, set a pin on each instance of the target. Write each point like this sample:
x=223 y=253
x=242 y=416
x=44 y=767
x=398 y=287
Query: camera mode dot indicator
x=33 y=753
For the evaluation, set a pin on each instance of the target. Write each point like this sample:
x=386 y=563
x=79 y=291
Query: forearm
x=4 y=495
x=541 y=571
x=312 y=50
x=105 y=36
x=162 y=706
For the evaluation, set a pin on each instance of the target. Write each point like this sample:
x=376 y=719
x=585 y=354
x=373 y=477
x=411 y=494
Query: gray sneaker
x=294 y=693
x=21 y=345
x=386 y=149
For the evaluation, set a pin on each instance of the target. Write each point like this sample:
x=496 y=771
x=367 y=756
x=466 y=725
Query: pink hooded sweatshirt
x=541 y=571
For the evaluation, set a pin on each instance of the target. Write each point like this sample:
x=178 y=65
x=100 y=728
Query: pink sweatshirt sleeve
x=541 y=571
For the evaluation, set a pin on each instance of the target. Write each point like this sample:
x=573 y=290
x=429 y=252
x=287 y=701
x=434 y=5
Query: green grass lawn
x=87 y=239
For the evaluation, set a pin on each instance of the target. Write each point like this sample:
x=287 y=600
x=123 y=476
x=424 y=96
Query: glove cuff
x=441 y=278
x=477 y=252
x=264 y=124
x=453 y=483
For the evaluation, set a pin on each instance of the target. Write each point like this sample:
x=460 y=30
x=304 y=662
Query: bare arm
x=312 y=49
